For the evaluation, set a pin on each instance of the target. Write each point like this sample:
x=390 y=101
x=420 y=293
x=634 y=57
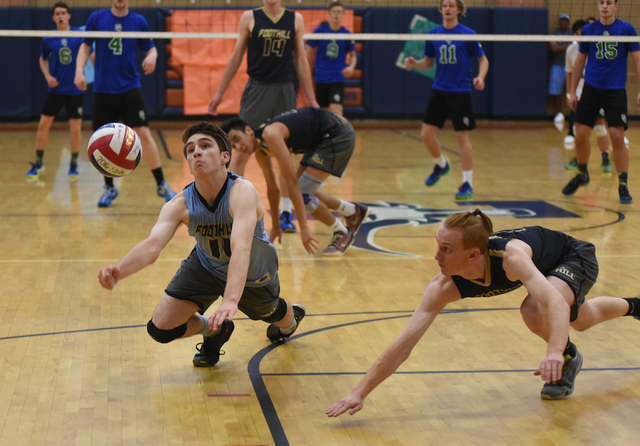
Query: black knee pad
x=165 y=336
x=279 y=313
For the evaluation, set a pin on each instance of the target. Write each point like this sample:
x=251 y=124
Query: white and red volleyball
x=115 y=150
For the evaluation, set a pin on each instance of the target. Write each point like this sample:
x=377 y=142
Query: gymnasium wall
x=516 y=84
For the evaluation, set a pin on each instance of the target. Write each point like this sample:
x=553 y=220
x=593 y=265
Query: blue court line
x=70 y=331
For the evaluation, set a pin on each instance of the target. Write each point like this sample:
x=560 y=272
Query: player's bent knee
x=311 y=203
x=278 y=314
x=600 y=130
x=165 y=336
x=308 y=186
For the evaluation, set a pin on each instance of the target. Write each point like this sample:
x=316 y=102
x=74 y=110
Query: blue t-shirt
x=62 y=53
x=453 y=59
x=607 y=62
x=331 y=55
x=116 y=58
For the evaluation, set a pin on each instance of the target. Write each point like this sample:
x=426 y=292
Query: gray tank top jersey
x=211 y=227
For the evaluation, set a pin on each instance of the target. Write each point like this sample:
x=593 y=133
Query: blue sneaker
x=286 y=223
x=437 y=173
x=165 y=191
x=465 y=192
x=73 y=174
x=108 y=195
x=34 y=172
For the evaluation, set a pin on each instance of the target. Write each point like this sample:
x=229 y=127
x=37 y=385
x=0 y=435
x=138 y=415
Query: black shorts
x=127 y=107
x=73 y=104
x=331 y=93
x=613 y=102
x=193 y=283
x=457 y=106
x=579 y=269
x=333 y=153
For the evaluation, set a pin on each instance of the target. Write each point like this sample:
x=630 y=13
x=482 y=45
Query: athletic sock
x=441 y=161
x=157 y=174
x=347 y=209
x=337 y=226
x=622 y=178
x=74 y=160
x=605 y=155
x=206 y=331
x=290 y=328
x=467 y=176
x=634 y=306
x=570 y=350
x=285 y=204
x=108 y=181
x=39 y=156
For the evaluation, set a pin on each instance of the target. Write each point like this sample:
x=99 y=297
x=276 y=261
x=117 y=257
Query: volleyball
x=115 y=150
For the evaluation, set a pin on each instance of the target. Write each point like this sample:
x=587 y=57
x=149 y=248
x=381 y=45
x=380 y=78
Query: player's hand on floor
x=309 y=242
x=551 y=367
x=350 y=402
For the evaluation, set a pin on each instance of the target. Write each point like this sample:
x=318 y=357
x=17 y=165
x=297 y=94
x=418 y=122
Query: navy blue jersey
x=308 y=126
x=270 y=47
x=607 y=63
x=549 y=249
x=211 y=226
x=331 y=55
x=62 y=53
x=116 y=70
x=454 y=59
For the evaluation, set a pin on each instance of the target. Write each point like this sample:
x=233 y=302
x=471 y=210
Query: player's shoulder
x=437 y=30
x=461 y=29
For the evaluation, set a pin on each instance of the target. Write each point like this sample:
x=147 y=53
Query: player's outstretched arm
x=438 y=294
x=273 y=195
x=423 y=64
x=147 y=251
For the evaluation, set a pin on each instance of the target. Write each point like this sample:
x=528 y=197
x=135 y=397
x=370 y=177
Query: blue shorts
x=557 y=79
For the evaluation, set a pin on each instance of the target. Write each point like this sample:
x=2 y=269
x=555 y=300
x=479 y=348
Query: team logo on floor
x=384 y=214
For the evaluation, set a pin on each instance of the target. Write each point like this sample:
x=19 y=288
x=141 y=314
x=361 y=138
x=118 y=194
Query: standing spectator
x=271 y=36
x=331 y=68
x=557 y=76
x=58 y=65
x=451 y=95
x=605 y=83
x=117 y=92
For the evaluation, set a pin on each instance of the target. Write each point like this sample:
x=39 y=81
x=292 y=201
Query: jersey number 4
x=448 y=54
x=115 y=45
x=606 y=50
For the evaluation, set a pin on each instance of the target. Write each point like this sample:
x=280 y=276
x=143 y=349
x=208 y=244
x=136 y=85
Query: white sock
x=347 y=209
x=290 y=328
x=285 y=203
x=337 y=226
x=206 y=331
x=441 y=161
x=467 y=176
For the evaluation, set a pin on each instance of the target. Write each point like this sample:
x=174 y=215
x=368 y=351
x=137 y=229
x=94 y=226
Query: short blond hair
x=476 y=228
x=461 y=7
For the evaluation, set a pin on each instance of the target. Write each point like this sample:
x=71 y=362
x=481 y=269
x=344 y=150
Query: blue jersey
x=62 y=53
x=331 y=55
x=454 y=59
x=211 y=226
x=116 y=58
x=607 y=63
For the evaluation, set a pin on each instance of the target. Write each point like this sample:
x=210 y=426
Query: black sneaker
x=564 y=387
x=354 y=221
x=209 y=349
x=573 y=185
x=625 y=197
x=273 y=331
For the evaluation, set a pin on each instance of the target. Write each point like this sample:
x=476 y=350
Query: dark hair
x=591 y=19
x=476 y=228
x=60 y=5
x=578 y=25
x=234 y=123
x=214 y=131
x=335 y=3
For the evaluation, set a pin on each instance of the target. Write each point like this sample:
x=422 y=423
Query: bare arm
x=44 y=67
x=423 y=64
x=353 y=60
x=273 y=194
x=147 y=251
x=310 y=52
x=518 y=265
x=483 y=69
x=578 y=66
x=245 y=208
x=635 y=56
x=244 y=31
x=149 y=62
x=438 y=294
x=302 y=65
x=81 y=61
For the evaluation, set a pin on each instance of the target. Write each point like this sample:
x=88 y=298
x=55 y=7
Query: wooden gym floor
x=78 y=368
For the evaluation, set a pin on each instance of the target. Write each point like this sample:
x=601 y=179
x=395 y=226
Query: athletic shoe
x=558 y=121
x=573 y=185
x=437 y=173
x=626 y=142
x=164 y=191
x=571 y=165
x=108 y=195
x=73 y=174
x=339 y=243
x=35 y=170
x=353 y=222
x=564 y=387
x=273 y=331
x=209 y=349
x=569 y=142
x=625 y=197
x=286 y=223
x=465 y=192
x=606 y=165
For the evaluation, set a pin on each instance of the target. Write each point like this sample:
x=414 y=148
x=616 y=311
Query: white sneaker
x=558 y=121
x=626 y=142
x=569 y=142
